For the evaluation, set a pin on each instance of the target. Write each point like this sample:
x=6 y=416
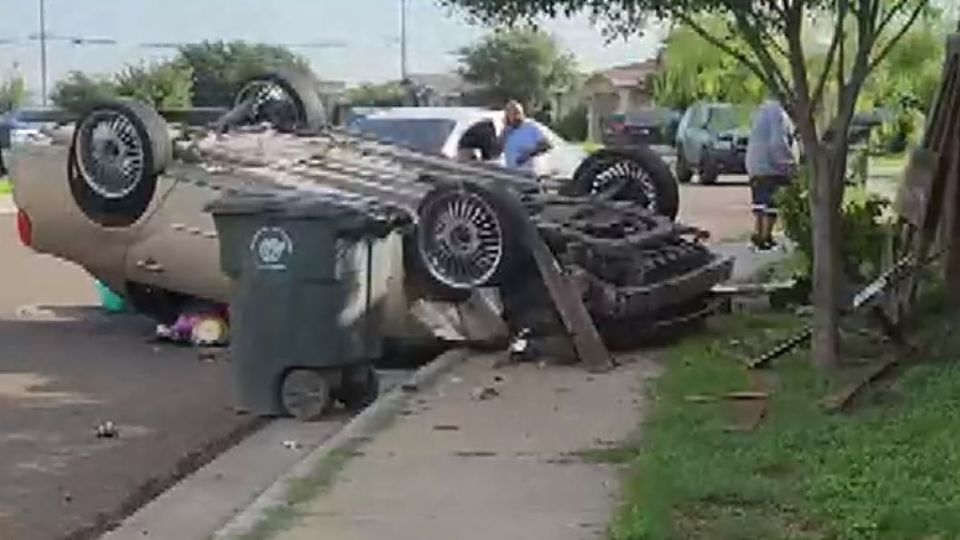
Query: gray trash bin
x=303 y=330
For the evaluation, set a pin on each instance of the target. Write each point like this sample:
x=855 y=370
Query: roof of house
x=629 y=75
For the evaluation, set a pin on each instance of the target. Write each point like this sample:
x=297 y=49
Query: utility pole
x=403 y=40
x=43 y=53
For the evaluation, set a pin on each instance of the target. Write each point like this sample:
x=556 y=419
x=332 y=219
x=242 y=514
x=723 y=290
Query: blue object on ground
x=109 y=300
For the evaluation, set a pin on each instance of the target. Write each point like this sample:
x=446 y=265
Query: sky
x=366 y=33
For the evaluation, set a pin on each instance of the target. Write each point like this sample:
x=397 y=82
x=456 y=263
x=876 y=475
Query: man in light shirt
x=523 y=140
x=771 y=165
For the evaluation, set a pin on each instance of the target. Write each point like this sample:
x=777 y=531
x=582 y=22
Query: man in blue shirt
x=522 y=139
x=770 y=164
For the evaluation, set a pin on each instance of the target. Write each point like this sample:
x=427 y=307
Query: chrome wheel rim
x=110 y=154
x=609 y=181
x=461 y=240
x=269 y=102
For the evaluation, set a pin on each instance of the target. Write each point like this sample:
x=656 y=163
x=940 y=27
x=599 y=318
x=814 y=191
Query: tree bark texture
x=826 y=187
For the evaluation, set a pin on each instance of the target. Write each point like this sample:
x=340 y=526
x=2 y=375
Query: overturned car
x=121 y=189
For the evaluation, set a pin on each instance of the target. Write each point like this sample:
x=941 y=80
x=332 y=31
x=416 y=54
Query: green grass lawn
x=885 y=470
x=893 y=162
x=5 y=187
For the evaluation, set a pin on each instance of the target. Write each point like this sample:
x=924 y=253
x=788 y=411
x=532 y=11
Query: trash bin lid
x=250 y=202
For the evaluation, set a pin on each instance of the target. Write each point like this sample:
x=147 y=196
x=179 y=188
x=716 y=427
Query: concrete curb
x=364 y=424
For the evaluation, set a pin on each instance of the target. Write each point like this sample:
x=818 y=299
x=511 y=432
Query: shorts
x=763 y=191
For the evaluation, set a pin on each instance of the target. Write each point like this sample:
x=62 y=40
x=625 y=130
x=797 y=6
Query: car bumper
x=731 y=160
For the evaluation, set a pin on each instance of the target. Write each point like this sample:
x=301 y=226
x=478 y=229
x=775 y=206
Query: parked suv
x=712 y=140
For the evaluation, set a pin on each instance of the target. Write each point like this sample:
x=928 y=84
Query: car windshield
x=726 y=118
x=423 y=134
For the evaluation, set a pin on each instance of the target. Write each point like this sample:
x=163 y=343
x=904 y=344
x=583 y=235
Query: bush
x=162 y=85
x=79 y=90
x=863 y=228
x=166 y=85
x=573 y=125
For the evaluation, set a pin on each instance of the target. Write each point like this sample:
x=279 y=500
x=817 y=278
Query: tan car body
x=173 y=246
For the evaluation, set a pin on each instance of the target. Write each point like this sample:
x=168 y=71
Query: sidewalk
x=6 y=205
x=453 y=465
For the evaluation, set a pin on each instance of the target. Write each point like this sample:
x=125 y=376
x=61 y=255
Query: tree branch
x=753 y=34
x=838 y=33
x=774 y=81
x=891 y=13
x=885 y=51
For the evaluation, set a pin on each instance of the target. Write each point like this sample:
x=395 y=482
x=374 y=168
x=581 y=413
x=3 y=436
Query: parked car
x=22 y=125
x=446 y=130
x=712 y=140
x=653 y=126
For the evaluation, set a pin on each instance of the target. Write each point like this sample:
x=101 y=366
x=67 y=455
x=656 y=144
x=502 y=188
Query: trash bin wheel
x=360 y=388
x=305 y=394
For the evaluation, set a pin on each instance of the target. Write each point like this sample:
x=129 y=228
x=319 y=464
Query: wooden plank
x=914 y=195
x=839 y=400
x=568 y=302
x=748 y=413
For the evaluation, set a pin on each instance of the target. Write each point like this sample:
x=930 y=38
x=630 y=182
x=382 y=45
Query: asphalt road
x=65 y=367
x=722 y=208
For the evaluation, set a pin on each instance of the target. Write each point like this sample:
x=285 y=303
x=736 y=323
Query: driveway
x=722 y=208
x=65 y=367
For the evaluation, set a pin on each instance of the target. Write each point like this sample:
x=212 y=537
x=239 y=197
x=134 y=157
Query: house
x=618 y=90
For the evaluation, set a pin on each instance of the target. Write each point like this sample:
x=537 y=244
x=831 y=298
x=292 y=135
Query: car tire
x=709 y=172
x=461 y=225
x=292 y=94
x=684 y=172
x=119 y=148
x=656 y=191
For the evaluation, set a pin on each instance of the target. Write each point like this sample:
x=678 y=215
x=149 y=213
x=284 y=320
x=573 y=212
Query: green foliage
x=78 y=90
x=391 y=94
x=573 y=126
x=862 y=223
x=206 y=74
x=166 y=85
x=696 y=70
x=906 y=83
x=522 y=63
x=13 y=93
x=163 y=85
x=220 y=68
x=884 y=471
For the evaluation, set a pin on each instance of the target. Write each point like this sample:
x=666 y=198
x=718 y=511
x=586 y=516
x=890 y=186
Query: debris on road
x=485 y=393
x=107 y=430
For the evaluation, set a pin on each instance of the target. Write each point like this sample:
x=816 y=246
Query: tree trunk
x=826 y=185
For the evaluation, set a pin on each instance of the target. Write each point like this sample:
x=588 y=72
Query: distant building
x=442 y=89
x=618 y=90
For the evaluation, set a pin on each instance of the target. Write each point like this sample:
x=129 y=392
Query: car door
x=693 y=134
x=562 y=159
